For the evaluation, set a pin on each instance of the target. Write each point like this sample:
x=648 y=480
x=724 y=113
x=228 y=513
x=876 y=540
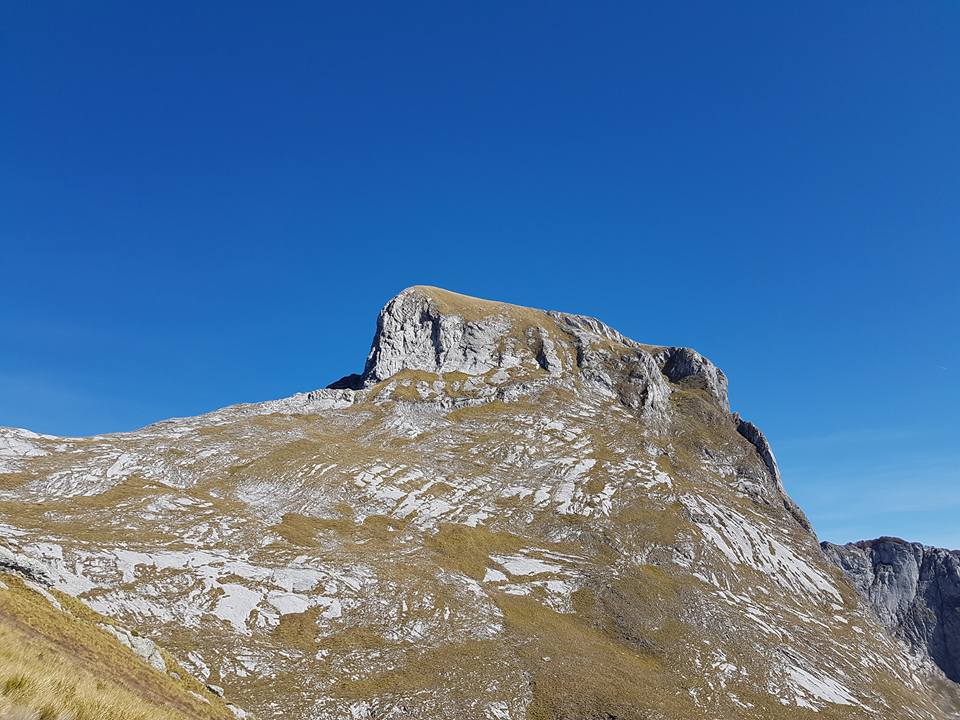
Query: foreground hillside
x=61 y=661
x=509 y=513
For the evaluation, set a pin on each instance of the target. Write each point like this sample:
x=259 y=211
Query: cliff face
x=914 y=589
x=509 y=513
x=436 y=331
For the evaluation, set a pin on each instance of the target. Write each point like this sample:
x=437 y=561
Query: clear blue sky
x=206 y=203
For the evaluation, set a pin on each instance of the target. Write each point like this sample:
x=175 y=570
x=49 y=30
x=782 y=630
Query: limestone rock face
x=27 y=567
x=914 y=589
x=146 y=649
x=432 y=330
x=755 y=437
x=683 y=365
x=412 y=334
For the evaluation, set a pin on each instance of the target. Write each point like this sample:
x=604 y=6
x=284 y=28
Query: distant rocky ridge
x=914 y=589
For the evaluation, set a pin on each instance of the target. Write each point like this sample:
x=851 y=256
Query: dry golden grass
x=590 y=673
x=301 y=530
x=12 y=481
x=471 y=308
x=468 y=549
x=58 y=665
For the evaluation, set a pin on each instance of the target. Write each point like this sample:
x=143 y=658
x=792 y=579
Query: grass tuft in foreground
x=56 y=664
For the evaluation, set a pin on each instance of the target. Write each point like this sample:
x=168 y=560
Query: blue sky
x=206 y=203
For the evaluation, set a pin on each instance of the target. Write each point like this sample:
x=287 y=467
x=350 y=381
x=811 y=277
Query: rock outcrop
x=431 y=330
x=24 y=566
x=914 y=589
x=436 y=331
x=755 y=437
x=144 y=648
x=686 y=366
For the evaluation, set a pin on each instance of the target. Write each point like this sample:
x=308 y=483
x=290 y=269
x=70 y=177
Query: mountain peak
x=512 y=513
x=434 y=330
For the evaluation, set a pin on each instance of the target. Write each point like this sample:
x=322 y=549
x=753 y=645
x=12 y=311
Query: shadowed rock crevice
x=683 y=365
x=25 y=567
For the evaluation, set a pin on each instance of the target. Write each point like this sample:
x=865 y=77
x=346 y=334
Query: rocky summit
x=509 y=513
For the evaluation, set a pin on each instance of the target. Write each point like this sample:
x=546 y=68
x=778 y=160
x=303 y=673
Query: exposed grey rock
x=24 y=566
x=546 y=354
x=755 y=437
x=633 y=377
x=686 y=366
x=914 y=589
x=413 y=334
x=513 y=504
x=589 y=329
x=144 y=648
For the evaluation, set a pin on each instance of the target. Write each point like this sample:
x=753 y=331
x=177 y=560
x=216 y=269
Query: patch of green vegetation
x=405 y=392
x=472 y=309
x=651 y=525
x=496 y=409
x=381 y=527
x=461 y=670
x=14 y=480
x=439 y=489
x=476 y=411
x=595 y=483
x=352 y=639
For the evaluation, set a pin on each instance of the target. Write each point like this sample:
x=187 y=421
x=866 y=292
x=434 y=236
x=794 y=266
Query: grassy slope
x=56 y=664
